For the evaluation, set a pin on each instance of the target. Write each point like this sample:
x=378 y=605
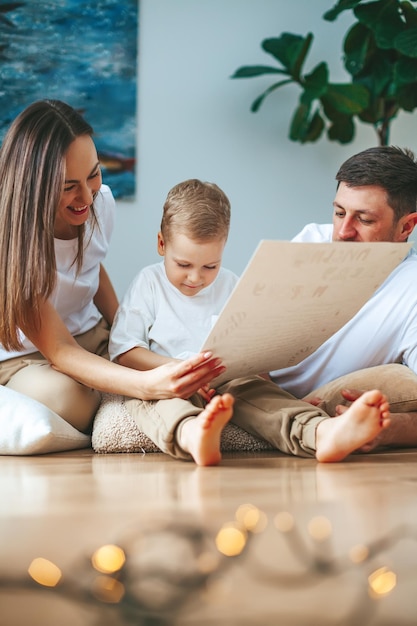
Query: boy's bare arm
x=142 y=359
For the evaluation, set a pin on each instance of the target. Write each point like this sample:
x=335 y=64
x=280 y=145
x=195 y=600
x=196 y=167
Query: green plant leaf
x=299 y=122
x=406 y=42
x=289 y=49
x=405 y=71
x=407 y=97
x=342 y=5
x=298 y=65
x=409 y=14
x=341 y=127
x=257 y=103
x=358 y=45
x=330 y=112
x=305 y=127
x=383 y=18
x=315 y=128
x=342 y=130
x=347 y=98
x=249 y=71
x=315 y=83
x=380 y=111
x=377 y=75
x=373 y=113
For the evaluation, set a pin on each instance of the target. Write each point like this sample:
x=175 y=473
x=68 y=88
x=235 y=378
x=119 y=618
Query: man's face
x=363 y=214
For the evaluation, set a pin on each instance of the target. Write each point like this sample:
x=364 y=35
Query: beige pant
x=33 y=376
x=261 y=408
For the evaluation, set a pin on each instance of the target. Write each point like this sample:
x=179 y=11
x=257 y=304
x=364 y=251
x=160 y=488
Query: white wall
x=194 y=121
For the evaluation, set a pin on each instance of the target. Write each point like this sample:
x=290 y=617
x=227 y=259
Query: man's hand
x=348 y=394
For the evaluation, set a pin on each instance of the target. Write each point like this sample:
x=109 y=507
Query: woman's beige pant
x=33 y=376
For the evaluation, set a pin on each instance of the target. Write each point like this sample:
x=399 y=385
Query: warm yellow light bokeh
x=230 y=540
x=358 y=553
x=45 y=572
x=108 y=589
x=108 y=559
x=320 y=528
x=284 y=521
x=382 y=581
x=251 y=518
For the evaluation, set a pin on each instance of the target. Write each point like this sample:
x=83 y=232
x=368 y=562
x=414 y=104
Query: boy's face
x=191 y=265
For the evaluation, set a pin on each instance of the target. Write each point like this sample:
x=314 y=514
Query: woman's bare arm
x=173 y=379
x=106 y=299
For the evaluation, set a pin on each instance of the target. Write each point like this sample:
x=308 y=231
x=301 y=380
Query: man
x=376 y=200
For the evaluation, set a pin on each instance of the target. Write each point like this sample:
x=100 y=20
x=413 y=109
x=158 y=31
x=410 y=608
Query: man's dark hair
x=389 y=167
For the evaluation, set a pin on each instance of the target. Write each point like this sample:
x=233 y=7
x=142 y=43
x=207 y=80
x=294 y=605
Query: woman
x=56 y=299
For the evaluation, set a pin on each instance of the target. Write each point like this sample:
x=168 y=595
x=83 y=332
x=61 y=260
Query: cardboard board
x=292 y=297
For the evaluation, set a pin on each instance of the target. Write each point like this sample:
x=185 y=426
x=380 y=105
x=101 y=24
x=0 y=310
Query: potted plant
x=379 y=53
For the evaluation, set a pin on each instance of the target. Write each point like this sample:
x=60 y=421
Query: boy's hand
x=206 y=392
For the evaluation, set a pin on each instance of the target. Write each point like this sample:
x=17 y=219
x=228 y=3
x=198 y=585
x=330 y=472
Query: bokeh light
x=381 y=582
x=284 y=521
x=108 y=559
x=319 y=528
x=108 y=589
x=251 y=518
x=231 y=539
x=45 y=572
x=359 y=553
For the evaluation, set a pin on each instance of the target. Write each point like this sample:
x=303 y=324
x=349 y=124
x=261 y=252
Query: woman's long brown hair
x=32 y=172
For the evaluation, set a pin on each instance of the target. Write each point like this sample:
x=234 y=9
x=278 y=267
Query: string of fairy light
x=142 y=587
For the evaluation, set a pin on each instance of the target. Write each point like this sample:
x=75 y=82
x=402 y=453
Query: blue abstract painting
x=84 y=53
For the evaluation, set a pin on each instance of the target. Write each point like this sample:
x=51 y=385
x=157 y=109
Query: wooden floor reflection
x=323 y=531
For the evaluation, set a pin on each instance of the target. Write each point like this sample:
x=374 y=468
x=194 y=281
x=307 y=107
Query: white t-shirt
x=156 y=315
x=73 y=295
x=383 y=331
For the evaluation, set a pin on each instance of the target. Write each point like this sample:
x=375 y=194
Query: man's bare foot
x=200 y=436
x=338 y=436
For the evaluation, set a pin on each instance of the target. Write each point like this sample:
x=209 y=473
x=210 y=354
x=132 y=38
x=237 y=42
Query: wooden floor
x=319 y=544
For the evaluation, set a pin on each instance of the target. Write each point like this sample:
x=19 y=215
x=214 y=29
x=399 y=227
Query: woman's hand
x=172 y=380
x=180 y=379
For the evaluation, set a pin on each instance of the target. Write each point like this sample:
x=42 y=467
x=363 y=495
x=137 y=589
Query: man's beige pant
x=36 y=378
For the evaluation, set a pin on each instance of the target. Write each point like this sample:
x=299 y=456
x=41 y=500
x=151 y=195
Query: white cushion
x=29 y=427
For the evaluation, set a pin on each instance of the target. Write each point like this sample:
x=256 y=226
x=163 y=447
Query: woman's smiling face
x=82 y=182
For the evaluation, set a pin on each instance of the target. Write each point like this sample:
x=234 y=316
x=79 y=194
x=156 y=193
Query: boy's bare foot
x=338 y=436
x=200 y=436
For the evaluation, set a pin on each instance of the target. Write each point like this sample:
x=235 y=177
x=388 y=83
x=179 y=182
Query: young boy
x=167 y=313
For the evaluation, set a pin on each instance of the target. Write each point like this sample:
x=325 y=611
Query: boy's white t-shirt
x=156 y=315
x=73 y=295
x=383 y=331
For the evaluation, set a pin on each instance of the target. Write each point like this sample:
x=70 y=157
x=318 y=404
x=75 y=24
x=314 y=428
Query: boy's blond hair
x=197 y=209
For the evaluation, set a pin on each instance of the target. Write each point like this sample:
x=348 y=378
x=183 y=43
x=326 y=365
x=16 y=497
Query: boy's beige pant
x=36 y=378
x=261 y=408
